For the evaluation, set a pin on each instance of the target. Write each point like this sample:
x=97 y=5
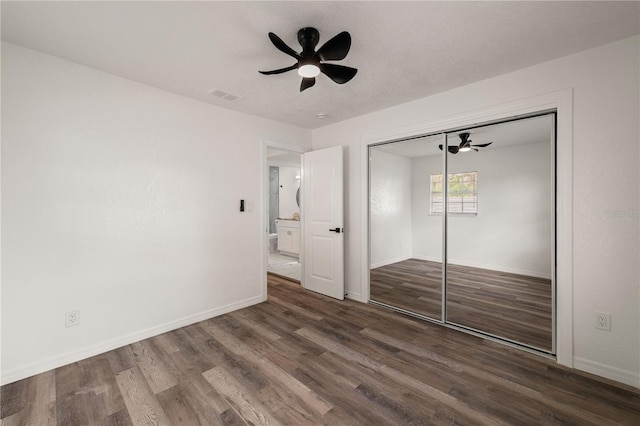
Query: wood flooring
x=304 y=359
x=511 y=306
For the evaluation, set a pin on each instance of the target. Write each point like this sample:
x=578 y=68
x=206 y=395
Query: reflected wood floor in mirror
x=511 y=306
x=413 y=285
x=305 y=359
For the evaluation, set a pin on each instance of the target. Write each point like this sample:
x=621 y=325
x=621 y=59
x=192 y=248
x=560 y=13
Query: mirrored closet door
x=405 y=239
x=496 y=233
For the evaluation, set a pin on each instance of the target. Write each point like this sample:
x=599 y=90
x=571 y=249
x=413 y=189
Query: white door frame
x=264 y=209
x=560 y=101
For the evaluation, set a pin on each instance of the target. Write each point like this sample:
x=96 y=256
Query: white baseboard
x=491 y=267
x=389 y=262
x=38 y=367
x=355 y=296
x=428 y=258
x=608 y=372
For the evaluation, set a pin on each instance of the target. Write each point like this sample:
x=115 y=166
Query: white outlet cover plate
x=603 y=321
x=71 y=318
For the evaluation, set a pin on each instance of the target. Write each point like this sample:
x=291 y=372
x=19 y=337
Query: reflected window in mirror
x=463 y=193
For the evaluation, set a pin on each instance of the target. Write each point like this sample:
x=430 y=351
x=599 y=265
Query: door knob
x=336 y=230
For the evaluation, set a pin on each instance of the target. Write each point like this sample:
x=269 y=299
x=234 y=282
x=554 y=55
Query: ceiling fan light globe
x=309 y=71
x=465 y=149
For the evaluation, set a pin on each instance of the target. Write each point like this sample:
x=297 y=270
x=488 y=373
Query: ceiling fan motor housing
x=308 y=38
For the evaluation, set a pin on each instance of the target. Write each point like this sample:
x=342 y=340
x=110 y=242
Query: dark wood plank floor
x=512 y=306
x=305 y=359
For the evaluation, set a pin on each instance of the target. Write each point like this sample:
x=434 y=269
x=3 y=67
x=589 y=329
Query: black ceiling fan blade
x=338 y=73
x=307 y=82
x=482 y=145
x=279 y=71
x=464 y=140
x=452 y=149
x=335 y=49
x=282 y=46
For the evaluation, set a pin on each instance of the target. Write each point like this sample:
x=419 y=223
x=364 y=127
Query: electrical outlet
x=71 y=318
x=603 y=321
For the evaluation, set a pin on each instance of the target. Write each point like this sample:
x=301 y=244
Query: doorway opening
x=283 y=213
x=316 y=232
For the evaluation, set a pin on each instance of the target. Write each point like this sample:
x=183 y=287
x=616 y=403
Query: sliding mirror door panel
x=405 y=237
x=500 y=230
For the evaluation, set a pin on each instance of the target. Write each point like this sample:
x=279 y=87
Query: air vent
x=224 y=95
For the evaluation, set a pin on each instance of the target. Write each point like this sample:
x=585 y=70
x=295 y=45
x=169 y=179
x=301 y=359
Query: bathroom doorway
x=283 y=222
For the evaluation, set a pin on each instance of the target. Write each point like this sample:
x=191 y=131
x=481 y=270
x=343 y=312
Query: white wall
x=289 y=185
x=426 y=229
x=391 y=232
x=122 y=201
x=513 y=224
x=606 y=134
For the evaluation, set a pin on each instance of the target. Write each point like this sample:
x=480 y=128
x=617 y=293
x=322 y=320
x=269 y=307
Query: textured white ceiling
x=403 y=50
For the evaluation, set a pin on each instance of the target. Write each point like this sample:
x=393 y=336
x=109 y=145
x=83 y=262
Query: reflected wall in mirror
x=500 y=231
x=405 y=241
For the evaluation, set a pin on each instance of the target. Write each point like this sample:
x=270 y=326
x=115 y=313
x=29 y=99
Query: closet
x=462 y=228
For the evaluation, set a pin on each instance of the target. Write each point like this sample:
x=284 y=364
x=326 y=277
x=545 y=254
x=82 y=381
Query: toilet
x=273 y=242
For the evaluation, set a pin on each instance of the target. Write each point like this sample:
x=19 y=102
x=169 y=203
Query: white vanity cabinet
x=288 y=236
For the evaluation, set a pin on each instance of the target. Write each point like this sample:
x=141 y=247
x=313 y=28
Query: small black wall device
x=241 y=205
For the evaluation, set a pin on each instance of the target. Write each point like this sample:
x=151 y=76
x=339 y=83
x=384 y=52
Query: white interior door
x=323 y=222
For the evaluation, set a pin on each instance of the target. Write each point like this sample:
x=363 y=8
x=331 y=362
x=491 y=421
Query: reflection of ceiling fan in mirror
x=465 y=145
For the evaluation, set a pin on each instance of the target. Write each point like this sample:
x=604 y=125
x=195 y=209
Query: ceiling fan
x=465 y=144
x=311 y=63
